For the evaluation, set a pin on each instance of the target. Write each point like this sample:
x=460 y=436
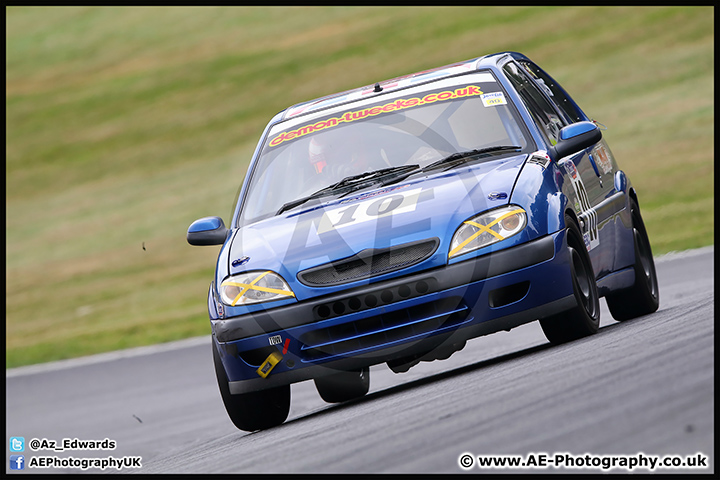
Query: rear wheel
x=344 y=386
x=644 y=296
x=584 y=319
x=254 y=410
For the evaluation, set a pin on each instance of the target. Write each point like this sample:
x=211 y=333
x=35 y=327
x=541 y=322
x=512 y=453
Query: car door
x=587 y=187
x=613 y=201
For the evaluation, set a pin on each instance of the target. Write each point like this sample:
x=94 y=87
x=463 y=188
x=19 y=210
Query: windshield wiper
x=460 y=157
x=353 y=183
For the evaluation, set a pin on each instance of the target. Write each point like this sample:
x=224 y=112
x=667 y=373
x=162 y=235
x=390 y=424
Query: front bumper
x=398 y=318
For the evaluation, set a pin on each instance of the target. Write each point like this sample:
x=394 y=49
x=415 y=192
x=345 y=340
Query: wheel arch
x=633 y=195
x=571 y=213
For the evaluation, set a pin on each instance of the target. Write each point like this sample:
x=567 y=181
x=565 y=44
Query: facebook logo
x=17 y=462
x=17 y=444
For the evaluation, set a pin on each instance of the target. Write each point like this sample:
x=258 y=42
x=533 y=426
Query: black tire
x=644 y=296
x=584 y=319
x=254 y=410
x=343 y=386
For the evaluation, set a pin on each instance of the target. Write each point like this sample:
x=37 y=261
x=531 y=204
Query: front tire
x=644 y=296
x=344 y=386
x=254 y=410
x=584 y=319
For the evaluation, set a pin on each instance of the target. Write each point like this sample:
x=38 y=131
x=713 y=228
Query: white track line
x=685 y=253
x=108 y=356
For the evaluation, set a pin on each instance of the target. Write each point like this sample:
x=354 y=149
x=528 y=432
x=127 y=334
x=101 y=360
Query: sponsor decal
x=571 y=169
x=602 y=159
x=400 y=104
x=541 y=158
x=588 y=215
x=493 y=99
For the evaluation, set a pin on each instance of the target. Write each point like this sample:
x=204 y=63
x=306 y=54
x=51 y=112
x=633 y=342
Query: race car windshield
x=410 y=127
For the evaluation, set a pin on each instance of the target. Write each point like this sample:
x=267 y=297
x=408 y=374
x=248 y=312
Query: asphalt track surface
x=641 y=386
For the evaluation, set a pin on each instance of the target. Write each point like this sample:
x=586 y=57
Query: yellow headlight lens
x=254 y=287
x=487 y=228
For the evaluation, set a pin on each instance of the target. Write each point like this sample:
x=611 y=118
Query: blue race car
x=392 y=223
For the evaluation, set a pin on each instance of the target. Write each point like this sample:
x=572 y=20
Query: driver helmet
x=319 y=154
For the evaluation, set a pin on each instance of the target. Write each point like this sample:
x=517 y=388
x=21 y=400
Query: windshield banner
x=399 y=104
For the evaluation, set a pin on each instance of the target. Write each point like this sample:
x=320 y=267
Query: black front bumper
x=398 y=318
x=384 y=293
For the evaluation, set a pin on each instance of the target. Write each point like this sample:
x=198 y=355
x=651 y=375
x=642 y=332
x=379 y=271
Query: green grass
x=126 y=124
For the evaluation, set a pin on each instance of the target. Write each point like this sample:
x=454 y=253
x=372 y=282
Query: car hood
x=421 y=208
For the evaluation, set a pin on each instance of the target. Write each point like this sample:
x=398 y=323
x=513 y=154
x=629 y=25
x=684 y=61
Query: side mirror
x=576 y=137
x=207 y=231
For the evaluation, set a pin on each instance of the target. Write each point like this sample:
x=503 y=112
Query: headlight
x=487 y=228
x=254 y=287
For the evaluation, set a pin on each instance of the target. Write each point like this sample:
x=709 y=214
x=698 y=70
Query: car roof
x=417 y=78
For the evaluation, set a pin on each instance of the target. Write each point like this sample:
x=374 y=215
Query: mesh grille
x=368 y=263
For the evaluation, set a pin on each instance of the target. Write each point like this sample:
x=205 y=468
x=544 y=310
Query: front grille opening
x=256 y=356
x=339 y=308
x=371 y=301
x=369 y=263
x=354 y=303
x=366 y=333
x=505 y=296
x=385 y=296
x=323 y=311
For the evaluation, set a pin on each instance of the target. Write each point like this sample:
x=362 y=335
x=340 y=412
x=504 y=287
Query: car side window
x=546 y=117
x=554 y=91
